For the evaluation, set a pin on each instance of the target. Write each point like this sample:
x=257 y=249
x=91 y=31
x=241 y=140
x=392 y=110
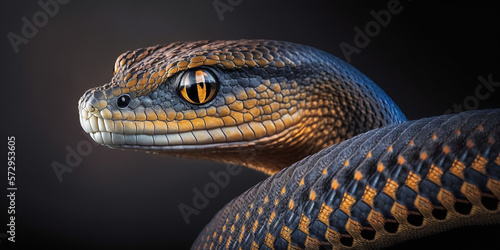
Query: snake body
x=285 y=103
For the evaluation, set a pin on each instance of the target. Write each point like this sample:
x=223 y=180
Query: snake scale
x=347 y=168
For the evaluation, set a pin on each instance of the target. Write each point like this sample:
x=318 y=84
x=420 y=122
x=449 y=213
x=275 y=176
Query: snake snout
x=92 y=101
x=90 y=108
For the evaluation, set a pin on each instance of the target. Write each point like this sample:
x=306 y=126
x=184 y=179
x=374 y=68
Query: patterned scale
x=383 y=186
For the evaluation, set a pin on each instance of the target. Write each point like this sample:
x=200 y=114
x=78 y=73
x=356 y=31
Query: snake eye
x=123 y=101
x=198 y=86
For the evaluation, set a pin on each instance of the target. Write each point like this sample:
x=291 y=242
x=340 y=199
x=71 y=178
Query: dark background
x=428 y=58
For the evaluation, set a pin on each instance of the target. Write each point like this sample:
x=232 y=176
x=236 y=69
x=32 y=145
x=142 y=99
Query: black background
x=428 y=58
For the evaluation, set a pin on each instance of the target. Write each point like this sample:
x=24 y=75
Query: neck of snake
x=338 y=110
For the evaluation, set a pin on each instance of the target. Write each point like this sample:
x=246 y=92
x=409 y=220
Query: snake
x=347 y=169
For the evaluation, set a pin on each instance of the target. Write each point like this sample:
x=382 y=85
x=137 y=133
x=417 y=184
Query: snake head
x=259 y=103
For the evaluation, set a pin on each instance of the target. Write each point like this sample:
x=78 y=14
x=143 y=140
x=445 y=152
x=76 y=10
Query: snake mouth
x=145 y=135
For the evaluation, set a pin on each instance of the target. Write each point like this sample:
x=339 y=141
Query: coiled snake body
x=364 y=176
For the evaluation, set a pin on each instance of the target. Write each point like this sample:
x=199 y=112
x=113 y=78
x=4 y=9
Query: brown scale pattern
x=272 y=95
x=223 y=54
x=375 y=190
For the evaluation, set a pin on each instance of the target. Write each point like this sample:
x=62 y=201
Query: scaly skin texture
x=288 y=99
x=280 y=102
x=377 y=189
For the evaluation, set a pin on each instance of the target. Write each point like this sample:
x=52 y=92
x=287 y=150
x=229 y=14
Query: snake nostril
x=92 y=105
x=90 y=101
x=90 y=108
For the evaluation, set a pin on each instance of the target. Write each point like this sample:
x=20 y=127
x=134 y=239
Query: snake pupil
x=123 y=101
x=198 y=86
